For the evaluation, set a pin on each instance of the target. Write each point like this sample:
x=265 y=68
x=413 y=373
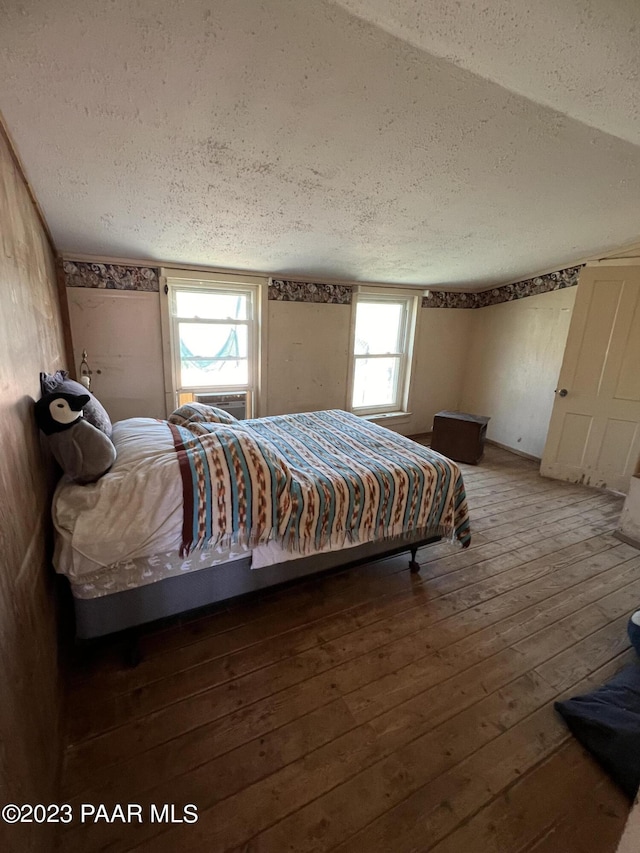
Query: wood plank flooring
x=375 y=710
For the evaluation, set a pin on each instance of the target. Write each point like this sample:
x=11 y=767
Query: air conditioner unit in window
x=235 y=404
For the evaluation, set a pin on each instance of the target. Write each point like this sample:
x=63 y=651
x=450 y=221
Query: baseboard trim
x=628 y=540
x=513 y=450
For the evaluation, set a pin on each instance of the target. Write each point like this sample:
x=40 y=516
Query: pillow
x=94 y=412
x=607 y=723
x=199 y=413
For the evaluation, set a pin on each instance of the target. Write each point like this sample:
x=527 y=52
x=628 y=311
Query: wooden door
x=594 y=434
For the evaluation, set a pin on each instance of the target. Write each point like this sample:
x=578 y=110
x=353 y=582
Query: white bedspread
x=140 y=502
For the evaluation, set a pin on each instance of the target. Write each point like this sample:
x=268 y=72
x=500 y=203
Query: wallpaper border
x=505 y=293
x=284 y=290
x=111 y=276
x=119 y=277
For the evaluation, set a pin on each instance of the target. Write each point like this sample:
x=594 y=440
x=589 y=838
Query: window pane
x=202 y=374
x=378 y=327
x=375 y=382
x=208 y=305
x=212 y=354
x=209 y=340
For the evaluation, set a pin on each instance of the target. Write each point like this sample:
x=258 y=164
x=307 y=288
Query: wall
x=307 y=357
x=513 y=364
x=30 y=341
x=115 y=315
x=308 y=361
x=630 y=517
x=441 y=364
x=502 y=347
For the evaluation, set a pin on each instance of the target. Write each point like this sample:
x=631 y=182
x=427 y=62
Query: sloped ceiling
x=461 y=144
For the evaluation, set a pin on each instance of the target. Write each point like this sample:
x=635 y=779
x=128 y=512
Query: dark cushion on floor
x=607 y=723
x=633 y=630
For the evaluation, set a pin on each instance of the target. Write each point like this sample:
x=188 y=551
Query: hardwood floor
x=375 y=710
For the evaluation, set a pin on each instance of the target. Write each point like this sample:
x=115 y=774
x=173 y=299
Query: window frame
x=409 y=301
x=174 y=281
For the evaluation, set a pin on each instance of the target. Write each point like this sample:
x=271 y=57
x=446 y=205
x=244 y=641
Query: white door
x=594 y=434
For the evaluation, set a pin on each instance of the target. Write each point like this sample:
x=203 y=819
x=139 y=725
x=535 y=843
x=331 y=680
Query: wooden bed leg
x=414 y=566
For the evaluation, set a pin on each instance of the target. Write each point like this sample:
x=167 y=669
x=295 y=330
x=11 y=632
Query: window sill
x=395 y=417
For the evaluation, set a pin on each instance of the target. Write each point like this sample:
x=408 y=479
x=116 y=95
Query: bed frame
x=130 y=608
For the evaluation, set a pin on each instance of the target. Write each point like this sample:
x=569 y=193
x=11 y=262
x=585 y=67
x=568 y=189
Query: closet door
x=594 y=434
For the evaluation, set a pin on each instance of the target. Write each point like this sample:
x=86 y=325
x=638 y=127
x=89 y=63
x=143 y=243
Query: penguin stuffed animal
x=83 y=452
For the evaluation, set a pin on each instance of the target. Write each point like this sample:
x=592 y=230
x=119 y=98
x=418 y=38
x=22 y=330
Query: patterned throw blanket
x=311 y=480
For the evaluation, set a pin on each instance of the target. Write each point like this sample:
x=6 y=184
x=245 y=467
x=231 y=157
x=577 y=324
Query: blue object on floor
x=633 y=629
x=607 y=723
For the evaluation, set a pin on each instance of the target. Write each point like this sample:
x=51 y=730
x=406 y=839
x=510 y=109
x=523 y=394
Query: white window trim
x=411 y=298
x=172 y=280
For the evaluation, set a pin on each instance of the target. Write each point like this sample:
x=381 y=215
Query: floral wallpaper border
x=282 y=290
x=506 y=292
x=117 y=277
x=341 y=294
x=111 y=276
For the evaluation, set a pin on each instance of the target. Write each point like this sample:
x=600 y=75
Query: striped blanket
x=310 y=481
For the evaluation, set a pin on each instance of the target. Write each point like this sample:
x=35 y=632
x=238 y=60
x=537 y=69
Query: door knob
x=562 y=392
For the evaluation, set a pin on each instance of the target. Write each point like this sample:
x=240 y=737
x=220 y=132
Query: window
x=213 y=336
x=383 y=340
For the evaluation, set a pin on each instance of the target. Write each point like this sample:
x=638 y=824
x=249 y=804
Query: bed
x=202 y=508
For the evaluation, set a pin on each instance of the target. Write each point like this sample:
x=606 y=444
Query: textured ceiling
x=436 y=143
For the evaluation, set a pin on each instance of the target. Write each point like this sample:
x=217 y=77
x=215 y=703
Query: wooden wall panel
x=31 y=340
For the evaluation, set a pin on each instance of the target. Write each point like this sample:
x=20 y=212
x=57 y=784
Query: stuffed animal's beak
x=77 y=404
